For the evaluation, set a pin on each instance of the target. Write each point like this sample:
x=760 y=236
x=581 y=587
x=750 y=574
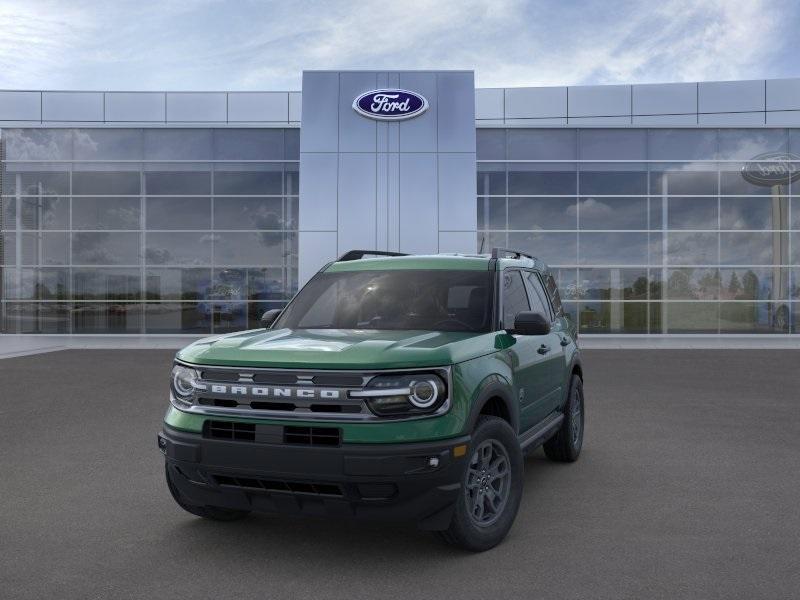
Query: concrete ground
x=687 y=488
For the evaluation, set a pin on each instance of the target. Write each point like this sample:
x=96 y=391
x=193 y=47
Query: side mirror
x=268 y=318
x=531 y=323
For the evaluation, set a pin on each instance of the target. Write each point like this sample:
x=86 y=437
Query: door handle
x=565 y=341
x=543 y=349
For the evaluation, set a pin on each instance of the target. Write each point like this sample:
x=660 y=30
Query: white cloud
x=265 y=45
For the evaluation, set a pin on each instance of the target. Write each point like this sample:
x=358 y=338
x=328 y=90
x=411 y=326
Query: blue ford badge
x=390 y=105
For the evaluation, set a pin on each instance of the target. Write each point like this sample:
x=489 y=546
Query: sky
x=265 y=45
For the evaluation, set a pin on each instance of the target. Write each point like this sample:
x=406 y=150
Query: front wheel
x=565 y=445
x=491 y=488
x=215 y=513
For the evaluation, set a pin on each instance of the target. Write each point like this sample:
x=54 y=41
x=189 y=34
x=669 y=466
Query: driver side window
x=515 y=298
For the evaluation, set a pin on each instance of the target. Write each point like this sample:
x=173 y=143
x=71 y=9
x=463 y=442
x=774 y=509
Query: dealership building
x=664 y=209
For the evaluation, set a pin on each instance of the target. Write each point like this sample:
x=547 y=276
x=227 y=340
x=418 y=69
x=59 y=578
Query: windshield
x=397 y=299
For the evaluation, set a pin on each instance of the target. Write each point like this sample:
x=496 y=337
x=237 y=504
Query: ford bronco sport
x=399 y=387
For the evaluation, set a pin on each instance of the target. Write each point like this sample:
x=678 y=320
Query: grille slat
x=280 y=486
x=312 y=436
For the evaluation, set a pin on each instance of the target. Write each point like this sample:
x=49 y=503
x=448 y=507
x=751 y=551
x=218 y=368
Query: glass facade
x=146 y=230
x=652 y=230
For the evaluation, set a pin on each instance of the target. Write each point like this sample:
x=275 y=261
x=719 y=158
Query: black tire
x=565 y=445
x=215 y=513
x=466 y=530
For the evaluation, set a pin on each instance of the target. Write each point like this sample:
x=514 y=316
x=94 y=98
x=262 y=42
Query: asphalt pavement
x=687 y=488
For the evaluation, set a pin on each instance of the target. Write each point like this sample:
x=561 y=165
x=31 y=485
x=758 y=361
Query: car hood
x=339 y=348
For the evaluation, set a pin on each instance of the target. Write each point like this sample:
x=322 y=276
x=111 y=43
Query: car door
x=553 y=353
x=528 y=365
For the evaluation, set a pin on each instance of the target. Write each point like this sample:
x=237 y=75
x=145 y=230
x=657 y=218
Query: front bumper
x=371 y=481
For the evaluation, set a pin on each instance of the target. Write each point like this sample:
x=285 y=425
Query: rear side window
x=555 y=297
x=537 y=295
x=515 y=299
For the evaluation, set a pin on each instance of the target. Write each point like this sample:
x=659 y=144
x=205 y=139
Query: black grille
x=230 y=430
x=277 y=485
x=312 y=436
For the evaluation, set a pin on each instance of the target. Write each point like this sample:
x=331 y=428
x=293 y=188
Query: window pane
x=613 y=182
x=102 y=248
x=542 y=144
x=748 y=248
x=248 y=144
x=613 y=317
x=38 y=144
x=177 y=318
x=108 y=144
x=613 y=284
x=491 y=179
x=228 y=316
x=691 y=317
x=732 y=182
x=50 y=284
x=250 y=248
x=35 y=317
x=536 y=295
x=177 y=284
x=98 y=317
x=178 y=248
x=45 y=212
x=755 y=283
x=612 y=213
x=613 y=248
x=106 y=284
x=8 y=248
x=178 y=213
x=613 y=144
x=692 y=213
x=553 y=248
x=119 y=183
x=248 y=182
x=753 y=317
x=8 y=213
x=682 y=144
x=36 y=183
x=48 y=248
x=491 y=144
x=186 y=183
x=492 y=213
x=746 y=144
x=515 y=298
x=291 y=144
x=692 y=248
x=105 y=213
x=178 y=144
x=693 y=284
x=542 y=213
x=683 y=183
x=530 y=180
x=248 y=213
x=754 y=213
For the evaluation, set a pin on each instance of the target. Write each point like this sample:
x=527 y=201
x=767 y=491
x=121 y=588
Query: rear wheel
x=215 y=513
x=565 y=445
x=491 y=488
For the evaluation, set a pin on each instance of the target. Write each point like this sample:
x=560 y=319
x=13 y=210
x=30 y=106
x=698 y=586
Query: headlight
x=183 y=380
x=404 y=394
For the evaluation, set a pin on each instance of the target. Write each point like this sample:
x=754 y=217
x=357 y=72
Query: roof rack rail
x=358 y=254
x=507 y=253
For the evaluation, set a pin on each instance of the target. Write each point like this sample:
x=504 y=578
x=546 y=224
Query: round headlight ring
x=424 y=394
x=182 y=381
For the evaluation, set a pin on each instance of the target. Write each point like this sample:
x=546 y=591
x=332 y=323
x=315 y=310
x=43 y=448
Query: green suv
x=391 y=387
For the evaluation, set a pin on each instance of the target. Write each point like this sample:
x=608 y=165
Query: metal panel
x=320 y=130
x=72 y=106
x=664 y=120
x=600 y=121
x=318 y=185
x=599 y=101
x=458 y=241
x=418 y=212
x=20 y=106
x=534 y=103
x=489 y=103
x=316 y=248
x=456 y=192
x=381 y=200
x=136 y=107
x=732 y=119
x=554 y=122
x=731 y=96
x=783 y=94
x=196 y=107
x=356 y=132
x=784 y=118
x=258 y=106
x=295 y=102
x=419 y=134
x=665 y=99
x=456 y=114
x=393 y=200
x=357 y=210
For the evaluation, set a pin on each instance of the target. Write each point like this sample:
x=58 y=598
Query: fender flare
x=491 y=387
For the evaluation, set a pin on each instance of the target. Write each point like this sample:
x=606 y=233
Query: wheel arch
x=494 y=397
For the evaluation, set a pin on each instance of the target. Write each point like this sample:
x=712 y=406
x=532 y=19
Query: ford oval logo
x=390 y=105
x=772 y=168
